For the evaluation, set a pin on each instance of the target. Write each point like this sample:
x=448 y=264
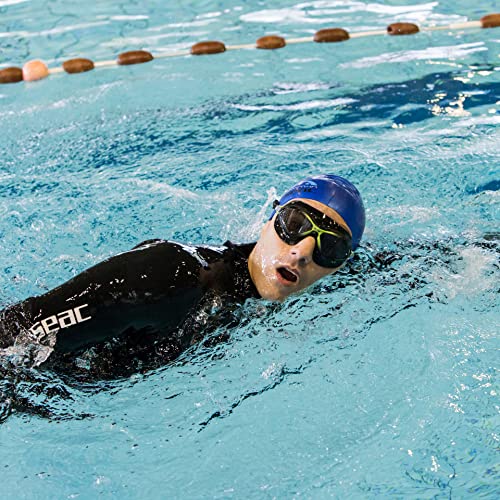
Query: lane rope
x=36 y=69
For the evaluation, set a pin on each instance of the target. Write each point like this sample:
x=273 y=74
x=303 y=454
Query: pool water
x=380 y=381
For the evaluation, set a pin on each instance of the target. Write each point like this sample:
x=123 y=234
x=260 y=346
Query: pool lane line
x=37 y=70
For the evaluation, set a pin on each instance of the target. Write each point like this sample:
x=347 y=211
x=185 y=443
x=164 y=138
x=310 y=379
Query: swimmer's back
x=153 y=286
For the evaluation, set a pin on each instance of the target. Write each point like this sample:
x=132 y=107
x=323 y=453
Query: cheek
x=265 y=261
x=316 y=273
x=273 y=248
x=269 y=261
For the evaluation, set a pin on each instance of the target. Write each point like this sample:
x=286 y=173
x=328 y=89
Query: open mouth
x=287 y=275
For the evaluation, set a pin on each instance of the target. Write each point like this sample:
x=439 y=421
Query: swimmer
x=161 y=297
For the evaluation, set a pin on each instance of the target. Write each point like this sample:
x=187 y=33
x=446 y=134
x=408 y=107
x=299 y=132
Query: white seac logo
x=64 y=319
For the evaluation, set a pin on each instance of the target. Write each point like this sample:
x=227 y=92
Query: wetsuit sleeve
x=154 y=285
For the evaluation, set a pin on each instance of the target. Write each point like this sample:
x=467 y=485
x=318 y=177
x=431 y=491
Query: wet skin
x=272 y=260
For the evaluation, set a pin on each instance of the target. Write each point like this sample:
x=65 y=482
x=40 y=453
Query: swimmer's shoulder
x=174 y=253
x=151 y=242
x=204 y=255
x=158 y=245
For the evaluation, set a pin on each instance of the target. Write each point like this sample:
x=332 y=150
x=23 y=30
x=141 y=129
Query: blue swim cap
x=337 y=193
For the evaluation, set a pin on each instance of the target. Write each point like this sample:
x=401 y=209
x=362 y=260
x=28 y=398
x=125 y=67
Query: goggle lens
x=291 y=224
x=296 y=221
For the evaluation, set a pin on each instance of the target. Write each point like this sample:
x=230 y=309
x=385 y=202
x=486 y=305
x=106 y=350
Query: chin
x=271 y=288
x=277 y=294
x=271 y=293
x=273 y=296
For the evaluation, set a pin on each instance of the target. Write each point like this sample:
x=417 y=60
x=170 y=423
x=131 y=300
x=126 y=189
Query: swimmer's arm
x=153 y=285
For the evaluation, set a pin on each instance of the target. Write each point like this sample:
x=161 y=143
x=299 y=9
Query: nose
x=303 y=250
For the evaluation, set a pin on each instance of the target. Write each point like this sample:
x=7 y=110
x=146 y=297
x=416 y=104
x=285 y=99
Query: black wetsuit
x=138 y=309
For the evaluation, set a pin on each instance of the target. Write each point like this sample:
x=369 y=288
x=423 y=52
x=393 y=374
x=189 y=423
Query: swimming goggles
x=296 y=221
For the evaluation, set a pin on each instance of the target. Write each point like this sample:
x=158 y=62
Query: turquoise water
x=380 y=381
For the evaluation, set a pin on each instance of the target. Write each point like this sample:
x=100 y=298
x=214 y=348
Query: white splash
x=5 y=3
x=146 y=40
x=407 y=214
x=301 y=106
x=252 y=230
x=473 y=277
x=449 y=52
x=191 y=24
x=303 y=60
x=129 y=18
x=319 y=12
x=272 y=370
x=292 y=88
x=162 y=187
x=53 y=31
x=209 y=15
x=278 y=16
x=479 y=120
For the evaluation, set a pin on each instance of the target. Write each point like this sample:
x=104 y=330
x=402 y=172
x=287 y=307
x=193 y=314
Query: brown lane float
x=134 y=57
x=270 y=42
x=491 y=21
x=331 y=35
x=402 y=29
x=11 y=75
x=78 y=65
x=36 y=70
x=209 y=47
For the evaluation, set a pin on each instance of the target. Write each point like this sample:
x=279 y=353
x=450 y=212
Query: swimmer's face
x=273 y=262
